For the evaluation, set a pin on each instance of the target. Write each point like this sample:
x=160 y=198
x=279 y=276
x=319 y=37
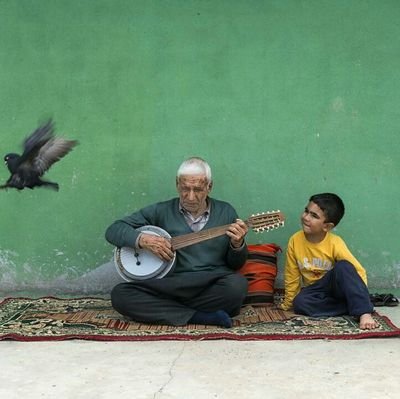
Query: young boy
x=334 y=281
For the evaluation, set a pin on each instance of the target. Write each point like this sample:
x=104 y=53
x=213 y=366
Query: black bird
x=41 y=150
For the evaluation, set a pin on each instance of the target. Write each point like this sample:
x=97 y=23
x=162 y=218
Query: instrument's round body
x=139 y=264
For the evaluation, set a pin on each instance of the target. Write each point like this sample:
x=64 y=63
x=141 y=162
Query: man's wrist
x=137 y=243
x=238 y=247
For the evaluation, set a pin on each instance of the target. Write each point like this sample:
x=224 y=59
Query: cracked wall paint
x=100 y=280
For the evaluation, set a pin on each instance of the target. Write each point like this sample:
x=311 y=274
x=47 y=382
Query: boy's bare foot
x=367 y=322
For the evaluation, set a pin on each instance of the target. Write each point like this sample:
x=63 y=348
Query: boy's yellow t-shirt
x=307 y=262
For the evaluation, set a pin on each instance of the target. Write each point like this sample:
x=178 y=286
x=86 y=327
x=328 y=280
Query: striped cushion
x=260 y=270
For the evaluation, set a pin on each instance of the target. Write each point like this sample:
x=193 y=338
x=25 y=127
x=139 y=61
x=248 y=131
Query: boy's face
x=314 y=223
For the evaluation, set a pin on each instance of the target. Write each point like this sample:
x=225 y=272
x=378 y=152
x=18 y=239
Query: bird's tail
x=47 y=184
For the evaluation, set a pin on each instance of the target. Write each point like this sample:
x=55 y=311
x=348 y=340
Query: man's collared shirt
x=196 y=224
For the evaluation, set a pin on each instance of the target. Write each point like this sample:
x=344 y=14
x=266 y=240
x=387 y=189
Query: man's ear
x=209 y=186
x=328 y=226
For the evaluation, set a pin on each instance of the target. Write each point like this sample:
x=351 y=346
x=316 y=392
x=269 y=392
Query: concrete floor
x=367 y=369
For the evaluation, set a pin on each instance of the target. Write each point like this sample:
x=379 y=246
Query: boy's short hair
x=331 y=205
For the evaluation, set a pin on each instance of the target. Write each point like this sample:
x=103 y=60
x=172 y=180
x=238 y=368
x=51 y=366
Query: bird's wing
x=36 y=140
x=51 y=152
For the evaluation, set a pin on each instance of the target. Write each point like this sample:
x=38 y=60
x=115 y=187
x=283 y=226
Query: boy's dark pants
x=341 y=291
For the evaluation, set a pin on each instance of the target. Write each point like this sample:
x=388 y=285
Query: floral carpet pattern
x=55 y=319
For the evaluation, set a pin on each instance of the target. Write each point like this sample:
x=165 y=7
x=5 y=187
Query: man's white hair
x=195 y=166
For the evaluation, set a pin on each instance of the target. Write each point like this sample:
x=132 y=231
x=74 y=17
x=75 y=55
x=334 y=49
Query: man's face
x=193 y=191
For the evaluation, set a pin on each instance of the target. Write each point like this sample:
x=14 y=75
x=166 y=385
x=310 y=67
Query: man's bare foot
x=367 y=322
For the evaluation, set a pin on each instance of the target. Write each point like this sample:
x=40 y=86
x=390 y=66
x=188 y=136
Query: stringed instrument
x=141 y=264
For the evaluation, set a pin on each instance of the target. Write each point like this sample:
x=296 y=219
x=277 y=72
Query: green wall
x=284 y=98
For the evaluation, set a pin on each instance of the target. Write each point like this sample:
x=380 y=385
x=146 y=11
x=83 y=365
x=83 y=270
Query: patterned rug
x=55 y=319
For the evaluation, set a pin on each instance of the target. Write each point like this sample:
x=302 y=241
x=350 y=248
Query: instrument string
x=202 y=235
x=193 y=238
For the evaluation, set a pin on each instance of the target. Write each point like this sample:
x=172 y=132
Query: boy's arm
x=343 y=253
x=292 y=278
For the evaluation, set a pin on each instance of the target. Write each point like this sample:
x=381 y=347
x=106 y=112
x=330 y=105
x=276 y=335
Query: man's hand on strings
x=159 y=246
x=236 y=232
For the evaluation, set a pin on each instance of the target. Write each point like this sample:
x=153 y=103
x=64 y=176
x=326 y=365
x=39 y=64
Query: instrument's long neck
x=259 y=222
x=185 y=240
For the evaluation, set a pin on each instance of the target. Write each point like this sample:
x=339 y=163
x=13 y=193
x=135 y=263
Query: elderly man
x=203 y=287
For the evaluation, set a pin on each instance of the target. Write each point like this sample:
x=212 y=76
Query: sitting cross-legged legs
x=341 y=291
x=177 y=299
